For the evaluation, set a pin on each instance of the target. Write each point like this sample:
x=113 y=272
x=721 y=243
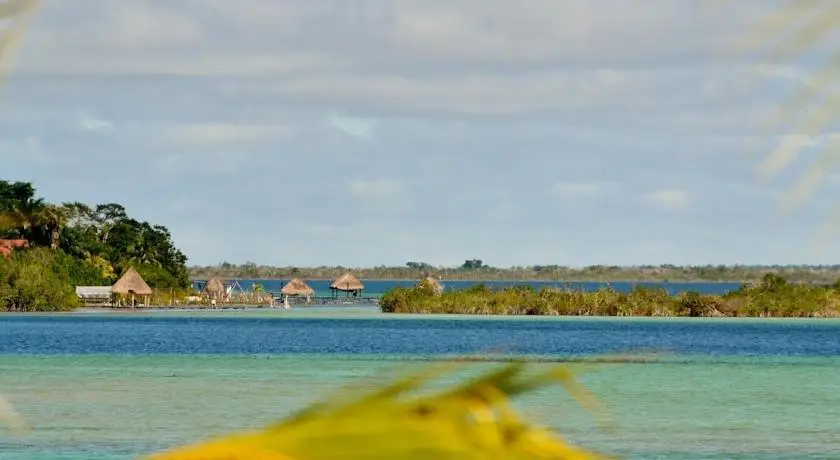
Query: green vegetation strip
x=773 y=296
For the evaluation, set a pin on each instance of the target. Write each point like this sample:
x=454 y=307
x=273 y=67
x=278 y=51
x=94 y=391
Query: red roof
x=6 y=246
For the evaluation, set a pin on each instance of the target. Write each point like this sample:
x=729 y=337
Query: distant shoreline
x=498 y=280
x=536 y=274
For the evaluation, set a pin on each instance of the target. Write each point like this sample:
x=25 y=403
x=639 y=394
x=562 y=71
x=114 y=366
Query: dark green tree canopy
x=95 y=243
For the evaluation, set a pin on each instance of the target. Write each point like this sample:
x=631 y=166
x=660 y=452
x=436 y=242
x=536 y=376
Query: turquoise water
x=115 y=386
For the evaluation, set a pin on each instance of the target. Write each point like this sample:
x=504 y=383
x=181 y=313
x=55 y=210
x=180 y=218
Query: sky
x=376 y=132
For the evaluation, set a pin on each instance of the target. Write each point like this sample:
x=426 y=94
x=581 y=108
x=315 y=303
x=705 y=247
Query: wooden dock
x=328 y=300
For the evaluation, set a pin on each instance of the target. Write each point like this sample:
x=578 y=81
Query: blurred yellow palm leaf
x=471 y=421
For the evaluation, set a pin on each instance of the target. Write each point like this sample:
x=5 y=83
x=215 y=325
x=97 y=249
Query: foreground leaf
x=471 y=421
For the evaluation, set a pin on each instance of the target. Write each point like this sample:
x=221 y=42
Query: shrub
x=774 y=296
x=35 y=280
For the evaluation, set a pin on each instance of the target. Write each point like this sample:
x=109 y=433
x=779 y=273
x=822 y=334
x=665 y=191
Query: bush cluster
x=41 y=280
x=772 y=297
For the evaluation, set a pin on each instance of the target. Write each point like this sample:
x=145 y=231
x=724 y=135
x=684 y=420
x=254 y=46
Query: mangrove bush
x=773 y=296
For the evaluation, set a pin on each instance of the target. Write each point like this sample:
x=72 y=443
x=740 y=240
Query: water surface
x=110 y=386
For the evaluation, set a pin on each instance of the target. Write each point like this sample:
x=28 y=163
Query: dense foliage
x=772 y=297
x=84 y=246
x=476 y=270
x=40 y=280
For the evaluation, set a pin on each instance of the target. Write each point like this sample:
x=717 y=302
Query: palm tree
x=24 y=216
x=53 y=219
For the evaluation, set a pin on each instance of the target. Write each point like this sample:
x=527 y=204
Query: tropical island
x=48 y=249
x=478 y=270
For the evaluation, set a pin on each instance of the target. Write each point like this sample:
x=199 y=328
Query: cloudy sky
x=367 y=132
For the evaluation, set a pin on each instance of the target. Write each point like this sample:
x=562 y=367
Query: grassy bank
x=773 y=296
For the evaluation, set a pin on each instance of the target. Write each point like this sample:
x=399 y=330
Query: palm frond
x=15 y=14
x=794 y=31
x=471 y=421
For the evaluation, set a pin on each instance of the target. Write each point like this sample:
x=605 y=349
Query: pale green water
x=739 y=389
x=112 y=407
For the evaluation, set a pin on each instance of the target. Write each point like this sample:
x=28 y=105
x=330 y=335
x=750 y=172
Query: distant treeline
x=772 y=296
x=475 y=269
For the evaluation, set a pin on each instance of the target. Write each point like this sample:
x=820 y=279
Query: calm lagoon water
x=112 y=386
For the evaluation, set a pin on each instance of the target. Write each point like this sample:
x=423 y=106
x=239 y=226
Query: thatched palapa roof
x=431 y=283
x=131 y=283
x=297 y=287
x=347 y=282
x=214 y=286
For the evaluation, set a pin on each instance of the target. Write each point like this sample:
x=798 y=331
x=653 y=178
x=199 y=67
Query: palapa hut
x=431 y=283
x=214 y=289
x=297 y=287
x=132 y=284
x=347 y=283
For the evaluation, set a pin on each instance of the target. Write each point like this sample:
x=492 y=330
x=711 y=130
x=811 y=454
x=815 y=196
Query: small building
x=347 y=283
x=7 y=246
x=297 y=287
x=130 y=286
x=95 y=296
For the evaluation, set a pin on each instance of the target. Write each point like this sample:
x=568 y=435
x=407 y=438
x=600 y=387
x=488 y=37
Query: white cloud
x=89 y=122
x=380 y=197
x=477 y=93
x=360 y=128
x=376 y=189
x=143 y=24
x=222 y=134
x=578 y=189
x=373 y=33
x=670 y=199
x=202 y=163
x=489 y=59
x=479 y=111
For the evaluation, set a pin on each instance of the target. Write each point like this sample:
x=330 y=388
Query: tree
x=422 y=266
x=19 y=207
x=250 y=270
x=78 y=214
x=106 y=216
x=473 y=264
x=134 y=243
x=52 y=219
